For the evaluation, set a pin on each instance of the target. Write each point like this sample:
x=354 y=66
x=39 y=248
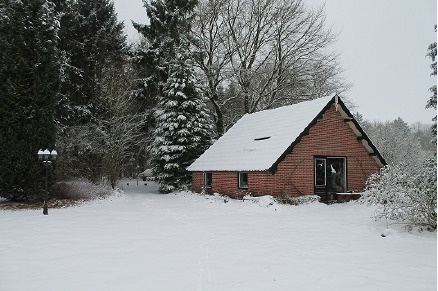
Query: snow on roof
x=257 y=140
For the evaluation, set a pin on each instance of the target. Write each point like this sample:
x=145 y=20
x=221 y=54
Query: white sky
x=382 y=45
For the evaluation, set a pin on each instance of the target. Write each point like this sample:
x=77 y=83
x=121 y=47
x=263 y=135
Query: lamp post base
x=45 y=208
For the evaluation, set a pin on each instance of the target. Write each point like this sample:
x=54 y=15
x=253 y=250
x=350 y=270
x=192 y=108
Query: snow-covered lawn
x=140 y=240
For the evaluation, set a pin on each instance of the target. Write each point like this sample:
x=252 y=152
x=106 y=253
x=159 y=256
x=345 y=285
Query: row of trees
x=65 y=84
x=204 y=61
x=431 y=103
x=69 y=80
x=405 y=195
x=405 y=191
x=29 y=84
x=261 y=54
x=418 y=140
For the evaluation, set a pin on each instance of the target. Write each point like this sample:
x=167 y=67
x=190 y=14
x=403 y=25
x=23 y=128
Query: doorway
x=330 y=177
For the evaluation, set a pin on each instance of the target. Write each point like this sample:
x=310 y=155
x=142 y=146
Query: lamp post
x=46 y=157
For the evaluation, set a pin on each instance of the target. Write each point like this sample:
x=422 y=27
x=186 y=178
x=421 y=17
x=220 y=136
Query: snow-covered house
x=313 y=147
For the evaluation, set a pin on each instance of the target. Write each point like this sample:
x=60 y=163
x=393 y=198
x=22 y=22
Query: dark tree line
x=70 y=81
x=93 y=47
x=56 y=57
x=29 y=86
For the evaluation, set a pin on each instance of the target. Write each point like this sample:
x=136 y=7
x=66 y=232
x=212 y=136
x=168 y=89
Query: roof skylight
x=262 y=138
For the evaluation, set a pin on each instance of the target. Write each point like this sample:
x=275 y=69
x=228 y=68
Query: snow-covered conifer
x=91 y=39
x=431 y=103
x=29 y=74
x=183 y=126
x=168 y=26
x=92 y=42
x=167 y=89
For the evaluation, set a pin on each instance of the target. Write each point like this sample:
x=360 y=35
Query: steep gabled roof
x=261 y=140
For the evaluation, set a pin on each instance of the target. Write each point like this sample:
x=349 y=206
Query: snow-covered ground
x=140 y=240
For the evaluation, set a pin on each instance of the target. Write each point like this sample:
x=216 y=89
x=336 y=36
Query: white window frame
x=325 y=171
x=244 y=187
x=206 y=180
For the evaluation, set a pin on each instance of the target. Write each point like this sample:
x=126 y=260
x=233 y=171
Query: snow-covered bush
x=80 y=189
x=297 y=200
x=404 y=194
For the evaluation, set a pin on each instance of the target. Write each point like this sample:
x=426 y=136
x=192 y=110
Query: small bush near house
x=80 y=190
x=63 y=194
x=297 y=200
x=405 y=195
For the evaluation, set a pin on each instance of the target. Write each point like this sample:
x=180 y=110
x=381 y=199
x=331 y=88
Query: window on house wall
x=208 y=180
x=243 y=180
x=336 y=174
x=331 y=173
x=320 y=172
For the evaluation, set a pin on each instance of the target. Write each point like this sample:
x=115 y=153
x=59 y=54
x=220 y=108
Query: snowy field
x=140 y=240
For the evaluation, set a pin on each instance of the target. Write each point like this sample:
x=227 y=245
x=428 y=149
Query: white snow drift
x=139 y=240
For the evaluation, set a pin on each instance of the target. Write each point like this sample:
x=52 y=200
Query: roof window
x=262 y=138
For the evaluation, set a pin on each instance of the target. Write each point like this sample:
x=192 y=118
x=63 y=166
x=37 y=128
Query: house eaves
x=345 y=115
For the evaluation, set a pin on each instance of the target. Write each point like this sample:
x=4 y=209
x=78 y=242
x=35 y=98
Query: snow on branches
x=405 y=195
x=183 y=126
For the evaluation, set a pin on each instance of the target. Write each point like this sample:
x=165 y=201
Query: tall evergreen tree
x=168 y=87
x=92 y=42
x=29 y=85
x=183 y=126
x=168 y=25
x=431 y=103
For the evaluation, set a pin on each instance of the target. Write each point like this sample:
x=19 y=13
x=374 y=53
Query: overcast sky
x=382 y=45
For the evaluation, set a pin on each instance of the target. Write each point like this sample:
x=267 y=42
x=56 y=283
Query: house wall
x=330 y=136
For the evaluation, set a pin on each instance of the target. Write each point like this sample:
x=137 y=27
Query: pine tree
x=184 y=127
x=431 y=103
x=92 y=42
x=72 y=106
x=169 y=23
x=168 y=87
x=29 y=74
x=92 y=39
x=150 y=58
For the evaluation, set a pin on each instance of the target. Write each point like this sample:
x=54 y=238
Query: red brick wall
x=295 y=174
x=197 y=181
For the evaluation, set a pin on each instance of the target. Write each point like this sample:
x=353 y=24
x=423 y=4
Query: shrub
x=297 y=200
x=405 y=195
x=79 y=190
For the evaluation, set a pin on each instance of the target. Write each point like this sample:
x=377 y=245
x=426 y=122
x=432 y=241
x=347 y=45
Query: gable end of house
x=348 y=118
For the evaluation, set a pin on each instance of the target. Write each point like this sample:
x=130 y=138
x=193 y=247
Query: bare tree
x=120 y=127
x=397 y=142
x=272 y=52
x=213 y=58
